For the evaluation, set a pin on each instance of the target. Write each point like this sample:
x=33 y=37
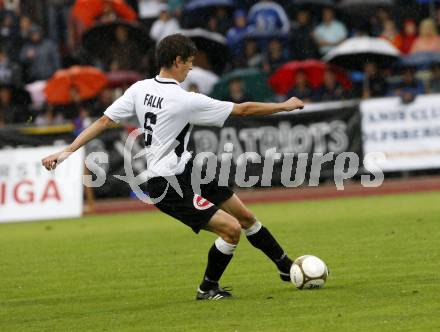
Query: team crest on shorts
x=201 y=203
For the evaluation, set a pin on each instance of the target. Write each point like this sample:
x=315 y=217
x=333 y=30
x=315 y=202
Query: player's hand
x=293 y=104
x=52 y=161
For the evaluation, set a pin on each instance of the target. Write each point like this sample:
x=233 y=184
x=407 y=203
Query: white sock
x=225 y=247
x=253 y=229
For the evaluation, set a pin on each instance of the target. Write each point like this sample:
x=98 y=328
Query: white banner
x=407 y=134
x=29 y=192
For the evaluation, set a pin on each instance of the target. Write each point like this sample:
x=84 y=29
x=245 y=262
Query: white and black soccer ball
x=308 y=272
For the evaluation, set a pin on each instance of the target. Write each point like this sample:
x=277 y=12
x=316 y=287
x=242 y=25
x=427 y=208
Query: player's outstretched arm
x=253 y=108
x=51 y=162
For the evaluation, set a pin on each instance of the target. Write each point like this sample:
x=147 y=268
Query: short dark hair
x=173 y=46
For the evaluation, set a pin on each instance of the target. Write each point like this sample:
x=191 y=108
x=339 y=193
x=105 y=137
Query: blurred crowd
x=40 y=40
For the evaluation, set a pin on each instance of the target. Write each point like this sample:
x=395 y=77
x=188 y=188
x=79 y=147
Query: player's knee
x=233 y=232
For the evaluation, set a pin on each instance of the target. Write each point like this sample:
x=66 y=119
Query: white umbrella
x=204 y=79
x=355 y=52
x=213 y=45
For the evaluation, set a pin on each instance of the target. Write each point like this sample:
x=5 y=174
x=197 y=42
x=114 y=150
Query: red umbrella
x=87 y=81
x=284 y=78
x=87 y=11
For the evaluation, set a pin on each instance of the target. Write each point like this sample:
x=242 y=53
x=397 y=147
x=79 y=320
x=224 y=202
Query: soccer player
x=167 y=113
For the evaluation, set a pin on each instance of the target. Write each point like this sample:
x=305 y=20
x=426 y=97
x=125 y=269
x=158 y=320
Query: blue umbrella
x=421 y=59
x=200 y=4
x=324 y=3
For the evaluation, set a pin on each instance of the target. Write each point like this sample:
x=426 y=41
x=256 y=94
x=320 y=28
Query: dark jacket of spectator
x=301 y=43
x=374 y=84
x=40 y=56
x=330 y=90
x=275 y=56
x=236 y=34
x=301 y=89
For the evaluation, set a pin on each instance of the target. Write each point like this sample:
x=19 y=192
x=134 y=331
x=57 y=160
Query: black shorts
x=193 y=209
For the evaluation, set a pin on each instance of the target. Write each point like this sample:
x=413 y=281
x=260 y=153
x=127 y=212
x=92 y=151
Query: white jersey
x=167 y=113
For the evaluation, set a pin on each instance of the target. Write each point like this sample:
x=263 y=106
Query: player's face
x=184 y=68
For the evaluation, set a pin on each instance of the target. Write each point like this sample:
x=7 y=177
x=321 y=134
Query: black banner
x=298 y=137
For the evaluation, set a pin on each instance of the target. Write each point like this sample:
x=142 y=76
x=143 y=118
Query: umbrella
x=363 y=7
x=421 y=59
x=204 y=79
x=355 y=52
x=86 y=80
x=117 y=78
x=98 y=39
x=254 y=80
x=87 y=11
x=202 y=4
x=212 y=48
x=284 y=78
x=198 y=12
x=313 y=3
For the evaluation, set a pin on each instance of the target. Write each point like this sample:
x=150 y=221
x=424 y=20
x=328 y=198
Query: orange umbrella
x=87 y=81
x=87 y=11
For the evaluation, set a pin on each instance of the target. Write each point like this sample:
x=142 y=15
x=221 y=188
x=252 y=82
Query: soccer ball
x=308 y=272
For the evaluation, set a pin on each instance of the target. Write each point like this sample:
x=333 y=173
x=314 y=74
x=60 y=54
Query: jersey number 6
x=150 y=119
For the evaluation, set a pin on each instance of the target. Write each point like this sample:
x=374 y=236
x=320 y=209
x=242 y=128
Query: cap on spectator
x=239 y=13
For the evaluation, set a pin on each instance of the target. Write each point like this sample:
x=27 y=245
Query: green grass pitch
x=139 y=271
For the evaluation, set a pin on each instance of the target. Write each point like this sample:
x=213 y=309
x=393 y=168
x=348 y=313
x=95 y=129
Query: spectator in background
x=268 y=17
x=40 y=56
x=276 y=56
x=237 y=93
x=124 y=54
x=330 y=32
x=302 y=46
x=409 y=35
x=8 y=32
x=428 y=39
x=251 y=57
x=7 y=109
x=26 y=25
x=108 y=14
x=10 y=72
x=14 y=104
x=165 y=25
x=409 y=87
x=58 y=12
x=331 y=89
x=391 y=34
x=378 y=20
x=434 y=82
x=49 y=117
x=219 y=22
x=301 y=89
x=235 y=35
x=373 y=84
x=104 y=100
